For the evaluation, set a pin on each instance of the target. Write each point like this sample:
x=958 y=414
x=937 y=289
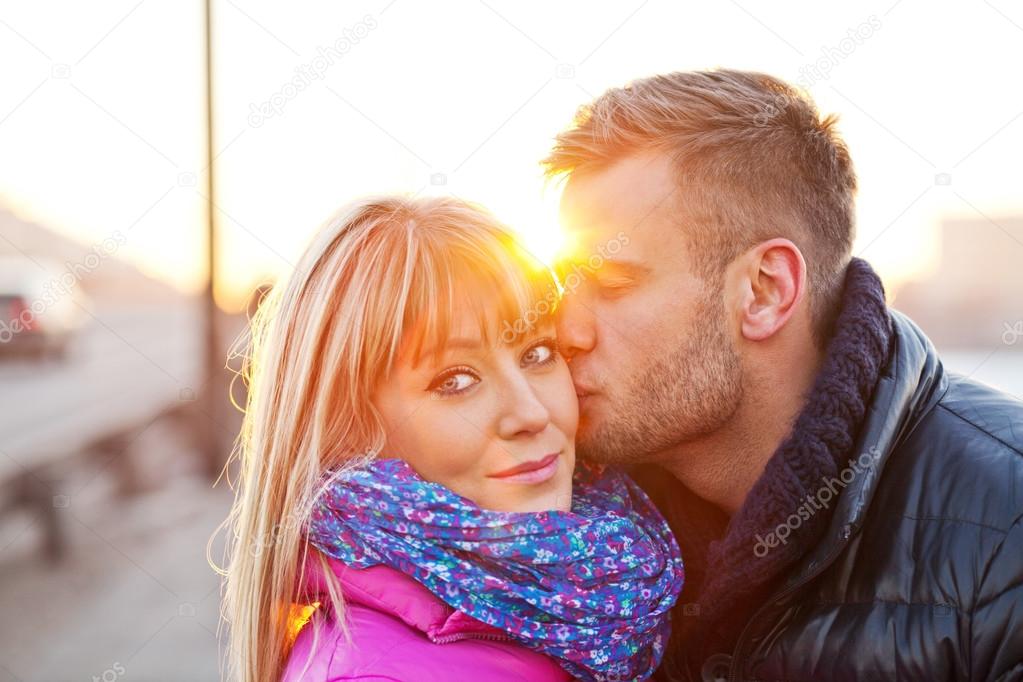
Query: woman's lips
x=537 y=471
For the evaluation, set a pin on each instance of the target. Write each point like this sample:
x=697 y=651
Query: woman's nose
x=523 y=412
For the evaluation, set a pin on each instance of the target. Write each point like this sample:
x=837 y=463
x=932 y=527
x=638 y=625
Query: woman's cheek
x=566 y=406
x=456 y=443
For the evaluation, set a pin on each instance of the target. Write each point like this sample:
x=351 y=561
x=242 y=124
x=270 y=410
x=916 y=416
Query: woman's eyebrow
x=455 y=343
x=463 y=342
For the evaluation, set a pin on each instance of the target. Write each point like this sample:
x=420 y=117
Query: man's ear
x=773 y=283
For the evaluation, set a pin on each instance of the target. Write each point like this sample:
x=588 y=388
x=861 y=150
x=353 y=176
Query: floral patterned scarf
x=592 y=587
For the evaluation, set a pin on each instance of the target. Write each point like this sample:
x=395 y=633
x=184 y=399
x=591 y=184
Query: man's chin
x=586 y=404
x=585 y=440
x=587 y=428
x=591 y=445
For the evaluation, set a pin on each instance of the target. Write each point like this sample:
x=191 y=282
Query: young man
x=847 y=510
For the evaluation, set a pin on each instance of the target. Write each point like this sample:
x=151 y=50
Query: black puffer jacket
x=920 y=573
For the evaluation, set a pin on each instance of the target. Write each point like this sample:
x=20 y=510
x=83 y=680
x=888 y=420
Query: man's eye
x=453 y=382
x=614 y=287
x=540 y=353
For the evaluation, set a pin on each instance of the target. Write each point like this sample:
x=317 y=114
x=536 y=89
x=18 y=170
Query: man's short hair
x=754 y=160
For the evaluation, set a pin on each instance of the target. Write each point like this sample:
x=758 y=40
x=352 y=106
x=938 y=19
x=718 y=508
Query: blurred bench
x=38 y=485
x=133 y=366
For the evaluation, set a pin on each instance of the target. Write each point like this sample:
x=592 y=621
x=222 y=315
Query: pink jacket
x=401 y=632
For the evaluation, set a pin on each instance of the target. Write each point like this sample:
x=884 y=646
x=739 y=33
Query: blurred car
x=41 y=307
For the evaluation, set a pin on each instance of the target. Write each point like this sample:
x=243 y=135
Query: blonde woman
x=408 y=473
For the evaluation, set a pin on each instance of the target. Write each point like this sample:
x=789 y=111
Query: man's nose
x=523 y=413
x=577 y=332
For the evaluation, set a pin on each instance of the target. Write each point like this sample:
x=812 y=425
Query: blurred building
x=102 y=273
x=975 y=296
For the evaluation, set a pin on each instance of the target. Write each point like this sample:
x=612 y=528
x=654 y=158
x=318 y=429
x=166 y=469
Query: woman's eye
x=540 y=353
x=453 y=382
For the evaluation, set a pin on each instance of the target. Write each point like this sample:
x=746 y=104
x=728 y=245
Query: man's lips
x=526 y=467
x=582 y=391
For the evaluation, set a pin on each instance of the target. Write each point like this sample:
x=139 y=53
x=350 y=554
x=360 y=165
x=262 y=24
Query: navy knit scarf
x=726 y=579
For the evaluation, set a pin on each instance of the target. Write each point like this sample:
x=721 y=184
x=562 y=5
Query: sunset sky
x=101 y=116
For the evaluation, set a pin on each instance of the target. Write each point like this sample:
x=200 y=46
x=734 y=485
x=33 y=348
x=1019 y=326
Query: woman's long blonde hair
x=383 y=272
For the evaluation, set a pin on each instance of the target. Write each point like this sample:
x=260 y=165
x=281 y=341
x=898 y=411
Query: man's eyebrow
x=628 y=266
x=633 y=266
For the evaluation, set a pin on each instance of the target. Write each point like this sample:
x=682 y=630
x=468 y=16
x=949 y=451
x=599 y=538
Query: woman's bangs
x=503 y=289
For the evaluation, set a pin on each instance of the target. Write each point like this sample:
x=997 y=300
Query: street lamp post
x=213 y=363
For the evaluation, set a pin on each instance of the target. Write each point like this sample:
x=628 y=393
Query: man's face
x=652 y=351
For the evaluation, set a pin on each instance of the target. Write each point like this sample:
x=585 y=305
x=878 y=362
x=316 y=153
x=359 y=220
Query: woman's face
x=494 y=424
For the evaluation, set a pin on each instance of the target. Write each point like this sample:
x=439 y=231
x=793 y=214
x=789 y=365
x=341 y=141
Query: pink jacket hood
x=401 y=632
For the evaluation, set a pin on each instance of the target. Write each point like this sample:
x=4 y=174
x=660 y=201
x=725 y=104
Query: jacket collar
x=389 y=591
x=910 y=385
x=805 y=475
x=912 y=382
